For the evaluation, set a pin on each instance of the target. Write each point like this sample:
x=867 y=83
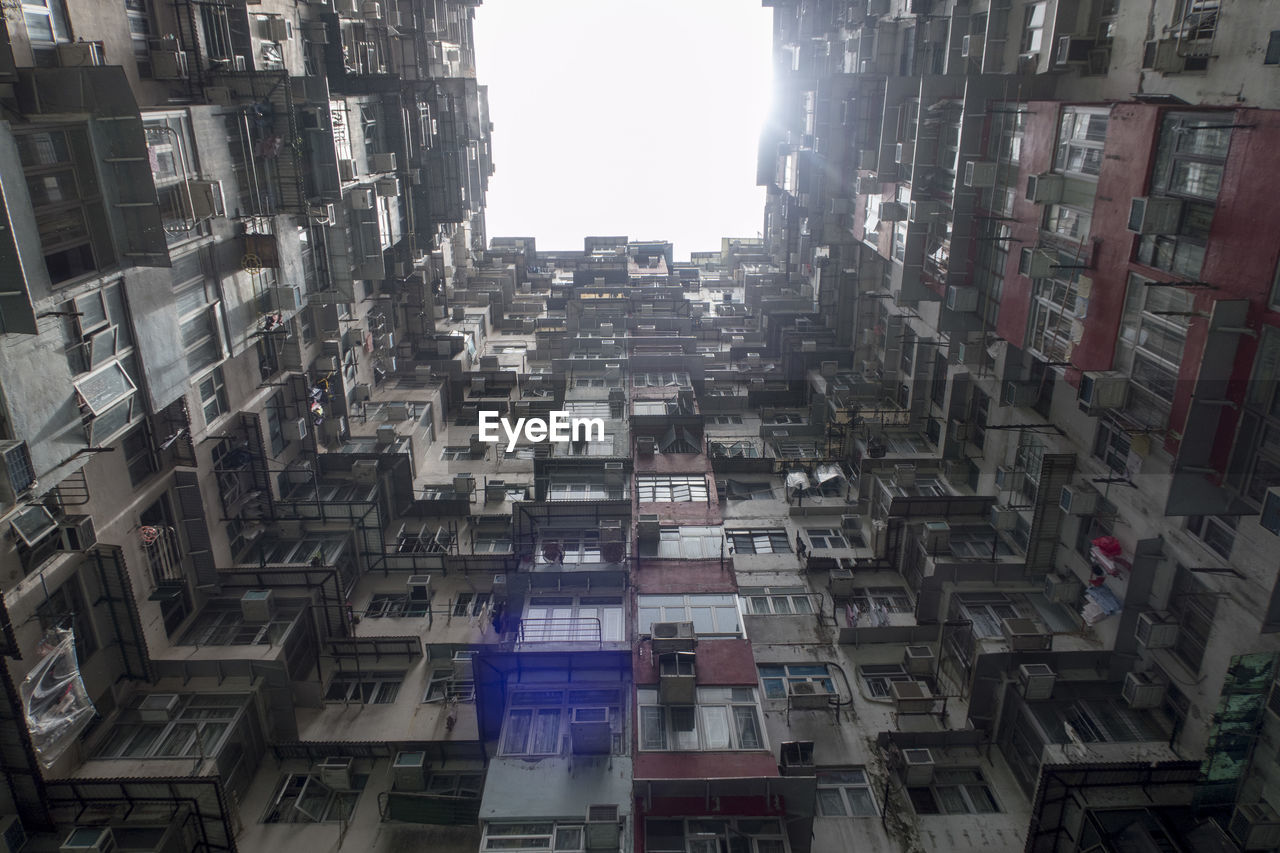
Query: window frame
x=672 y=488
x=663 y=607
x=383 y=687
x=828 y=781
x=959 y=787
x=775 y=538
x=731 y=701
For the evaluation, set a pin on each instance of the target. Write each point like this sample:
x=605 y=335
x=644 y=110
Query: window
x=65 y=196
x=710 y=613
x=776 y=678
x=687 y=543
x=736 y=490
x=455 y=454
x=371 y=688
x=442 y=686
x=1033 y=28
x=1153 y=334
x=573 y=546
x=1081 y=137
x=65 y=607
x=776 y=600
x=744 y=449
x=532 y=836
x=787 y=449
x=655 y=488
x=46 y=22
x=980 y=541
x=724 y=419
x=845 y=793
x=537 y=720
x=699 y=835
x=758 y=541
x=725 y=718
x=1272 y=56
x=275 y=424
x=213 y=396
x=395 y=604
x=196 y=729
x=583 y=486
x=985 y=611
x=955 y=790
x=894 y=599
x=525 y=453
x=825 y=537
x=571 y=619
x=471 y=604
x=491 y=543
x=876 y=677
x=979 y=407
x=1113 y=446
x=303 y=798
x=139 y=458
x=1194 y=605
x=222 y=623
x=661 y=380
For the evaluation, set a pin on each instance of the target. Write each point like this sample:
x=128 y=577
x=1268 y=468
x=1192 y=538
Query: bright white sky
x=625 y=117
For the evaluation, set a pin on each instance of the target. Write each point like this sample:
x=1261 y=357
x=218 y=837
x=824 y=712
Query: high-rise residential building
x=939 y=516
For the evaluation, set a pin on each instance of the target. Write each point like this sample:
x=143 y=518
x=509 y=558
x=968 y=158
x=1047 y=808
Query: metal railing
x=564 y=629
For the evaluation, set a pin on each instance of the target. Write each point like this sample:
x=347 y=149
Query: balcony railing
x=566 y=629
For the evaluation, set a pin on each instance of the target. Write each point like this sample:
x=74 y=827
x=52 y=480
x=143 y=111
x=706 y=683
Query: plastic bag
x=54 y=698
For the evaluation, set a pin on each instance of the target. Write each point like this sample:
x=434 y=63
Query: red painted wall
x=703 y=765
x=658 y=576
x=722 y=662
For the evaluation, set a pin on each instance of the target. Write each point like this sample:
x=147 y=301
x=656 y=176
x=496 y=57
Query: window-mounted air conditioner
x=205 y=199
x=1140 y=690
x=408 y=771
x=13 y=836
x=277 y=29
x=1162 y=55
x=89 y=839
x=1009 y=479
x=419 y=587
x=958 y=431
x=169 y=65
x=904 y=475
x=918 y=660
x=796 y=758
x=463 y=665
x=936 y=536
x=868 y=159
x=1155 y=214
x=841 y=583
x=1061 y=590
x=80 y=54
x=362 y=198
x=603 y=828
x=647 y=527
x=911 y=697
x=917 y=764
x=257 y=605
x=383 y=162
x=961 y=298
x=1156 y=631
x=388 y=187
x=671 y=637
x=364 y=472
x=158 y=707
x=1073 y=50
x=1003 y=517
x=979 y=174
x=1255 y=826
x=1036 y=681
x=1020 y=393
x=677 y=682
x=347 y=170
x=851 y=523
x=1037 y=263
x=1079 y=500
x=1103 y=390
x=1045 y=188
x=1025 y=635
x=590 y=732
x=645 y=445
x=893 y=211
x=76 y=533
x=971 y=46
x=903 y=152
x=808 y=696
x=335 y=771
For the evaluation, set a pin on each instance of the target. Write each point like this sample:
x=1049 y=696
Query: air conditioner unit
x=647 y=527
x=287 y=299
x=1036 y=681
x=499 y=589
x=205 y=199
x=1020 y=393
x=851 y=523
x=911 y=697
x=868 y=185
x=170 y=65
x=335 y=772
x=464 y=665
x=76 y=533
x=463 y=484
x=614 y=473
x=388 y=187
x=362 y=198
x=419 y=587
x=904 y=475
x=383 y=162
x=364 y=472
x=879 y=538
x=289 y=529
x=396 y=412
x=958 y=431
x=840 y=582
x=257 y=605
x=1078 y=500
x=277 y=29
x=979 y=174
x=971 y=46
x=961 y=298
x=917 y=764
x=1061 y=590
x=80 y=54
x=892 y=211
x=868 y=159
x=1255 y=826
x=1024 y=635
x=603 y=828
x=1142 y=691
x=672 y=637
x=677 y=682
x=362 y=391
x=408 y=771
x=589 y=731
x=808 y=696
x=1156 y=631
x=903 y=152
x=1009 y=479
x=1163 y=56
x=1155 y=214
x=918 y=660
x=158 y=707
x=1103 y=390
x=1269 y=518
x=645 y=445
x=796 y=758
x=1037 y=263
x=89 y=839
x=1003 y=518
x=372 y=11
x=347 y=170
x=1044 y=188
x=13 y=836
x=923 y=211
x=936 y=536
